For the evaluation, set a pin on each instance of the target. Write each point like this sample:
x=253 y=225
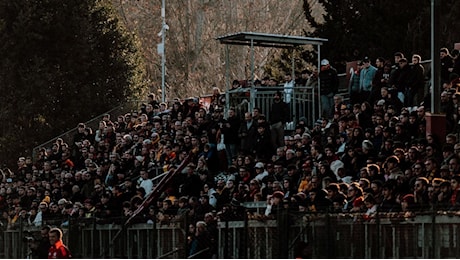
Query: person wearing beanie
x=408 y=203
x=275 y=204
x=391 y=167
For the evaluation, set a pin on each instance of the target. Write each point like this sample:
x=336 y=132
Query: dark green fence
x=291 y=235
x=342 y=236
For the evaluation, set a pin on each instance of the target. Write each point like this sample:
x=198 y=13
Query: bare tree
x=195 y=60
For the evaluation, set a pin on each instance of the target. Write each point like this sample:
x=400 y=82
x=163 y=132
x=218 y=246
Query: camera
x=28 y=237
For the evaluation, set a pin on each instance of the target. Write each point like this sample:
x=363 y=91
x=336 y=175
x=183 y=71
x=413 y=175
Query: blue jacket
x=366 y=76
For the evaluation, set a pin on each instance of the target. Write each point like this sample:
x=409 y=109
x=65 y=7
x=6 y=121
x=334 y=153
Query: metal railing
x=304 y=101
x=89 y=239
x=342 y=236
x=129 y=106
x=391 y=235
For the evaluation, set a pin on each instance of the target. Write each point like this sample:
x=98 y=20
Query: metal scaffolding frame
x=255 y=39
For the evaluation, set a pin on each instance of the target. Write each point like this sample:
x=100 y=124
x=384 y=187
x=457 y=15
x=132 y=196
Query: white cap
x=62 y=201
x=259 y=165
x=290 y=151
x=366 y=144
x=324 y=62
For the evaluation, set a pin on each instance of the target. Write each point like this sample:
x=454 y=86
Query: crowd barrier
x=318 y=236
x=89 y=239
x=304 y=102
x=342 y=236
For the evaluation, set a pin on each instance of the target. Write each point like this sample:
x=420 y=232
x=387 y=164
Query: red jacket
x=59 y=251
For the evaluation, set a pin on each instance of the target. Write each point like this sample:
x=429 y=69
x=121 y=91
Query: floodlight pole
x=319 y=89
x=253 y=91
x=435 y=120
x=435 y=58
x=163 y=54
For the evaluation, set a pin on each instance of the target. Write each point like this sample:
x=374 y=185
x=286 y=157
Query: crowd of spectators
x=372 y=155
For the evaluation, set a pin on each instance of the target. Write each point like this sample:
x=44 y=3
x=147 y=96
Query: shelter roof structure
x=256 y=39
x=268 y=40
